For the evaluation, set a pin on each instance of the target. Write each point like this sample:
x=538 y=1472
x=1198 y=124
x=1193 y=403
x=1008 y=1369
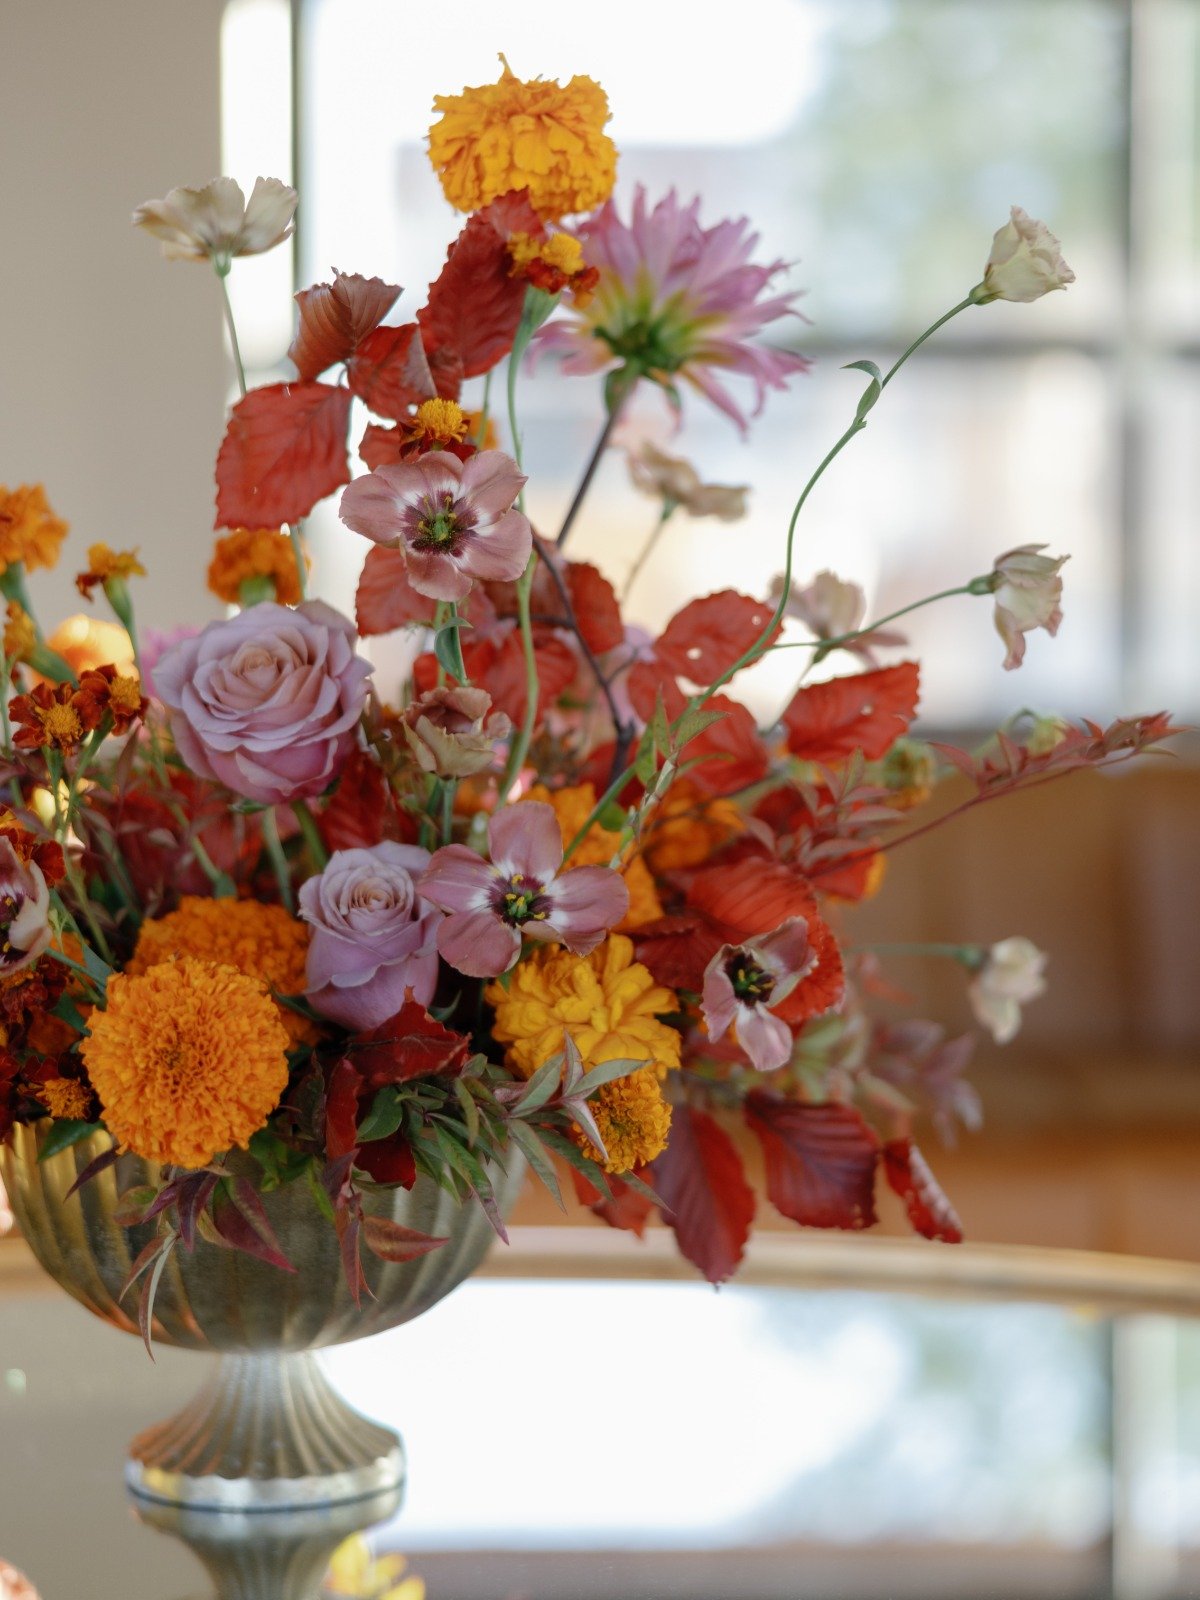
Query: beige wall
x=112 y=375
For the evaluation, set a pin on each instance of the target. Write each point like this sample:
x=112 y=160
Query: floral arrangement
x=561 y=898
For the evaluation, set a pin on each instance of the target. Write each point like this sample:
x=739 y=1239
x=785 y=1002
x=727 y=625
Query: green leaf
x=384 y=1117
x=470 y=1110
x=869 y=367
x=613 y=817
x=541 y=1087
x=574 y=1156
x=527 y=1141
x=66 y=1133
x=447 y=647
x=606 y=1072
x=100 y=970
x=69 y=1012
x=693 y=723
x=324 y=1203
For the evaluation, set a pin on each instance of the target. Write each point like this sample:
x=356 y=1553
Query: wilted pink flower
x=1028 y=590
x=217 y=223
x=267 y=703
x=674 y=480
x=1007 y=976
x=450 y=733
x=24 y=911
x=833 y=607
x=454 y=520
x=676 y=300
x=373 y=937
x=744 y=983
x=1026 y=262
x=520 y=893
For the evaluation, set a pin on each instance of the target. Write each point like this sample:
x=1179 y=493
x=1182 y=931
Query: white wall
x=112 y=373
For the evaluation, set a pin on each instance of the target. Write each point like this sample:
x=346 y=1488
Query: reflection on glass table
x=569 y=1440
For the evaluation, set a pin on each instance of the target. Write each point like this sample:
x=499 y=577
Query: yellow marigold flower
x=29 y=530
x=354 y=1572
x=572 y=808
x=188 y=1059
x=263 y=941
x=608 y=1002
x=633 y=1120
x=561 y=251
x=688 y=827
x=20 y=635
x=66 y=1098
x=250 y=553
x=498 y=137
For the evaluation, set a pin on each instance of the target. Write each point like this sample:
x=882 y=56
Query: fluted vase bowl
x=267 y=1431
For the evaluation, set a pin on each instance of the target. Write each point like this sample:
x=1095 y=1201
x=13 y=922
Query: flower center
x=441 y=525
x=10 y=909
x=62 y=725
x=750 y=982
x=522 y=899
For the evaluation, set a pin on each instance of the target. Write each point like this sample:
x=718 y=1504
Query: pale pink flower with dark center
x=677 y=300
x=454 y=520
x=744 y=983
x=520 y=893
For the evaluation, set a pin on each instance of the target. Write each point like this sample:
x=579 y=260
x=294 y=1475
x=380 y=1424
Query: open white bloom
x=1028 y=593
x=216 y=222
x=1011 y=974
x=1026 y=262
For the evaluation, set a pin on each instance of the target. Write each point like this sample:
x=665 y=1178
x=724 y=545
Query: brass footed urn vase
x=266 y=1431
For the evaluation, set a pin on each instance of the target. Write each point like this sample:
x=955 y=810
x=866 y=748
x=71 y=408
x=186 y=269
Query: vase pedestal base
x=266 y=1433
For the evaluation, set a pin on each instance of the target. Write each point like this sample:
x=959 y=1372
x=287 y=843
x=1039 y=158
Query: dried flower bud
x=450 y=733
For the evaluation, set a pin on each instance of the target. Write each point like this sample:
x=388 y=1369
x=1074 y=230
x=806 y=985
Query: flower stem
x=965 y=953
x=519 y=748
x=274 y=849
x=312 y=834
x=295 y=533
x=589 y=472
x=222 y=278
x=669 y=508
x=920 y=340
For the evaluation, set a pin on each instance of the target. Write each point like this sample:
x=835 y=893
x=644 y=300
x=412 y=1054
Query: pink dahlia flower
x=373 y=937
x=520 y=893
x=676 y=300
x=454 y=520
x=744 y=983
x=267 y=703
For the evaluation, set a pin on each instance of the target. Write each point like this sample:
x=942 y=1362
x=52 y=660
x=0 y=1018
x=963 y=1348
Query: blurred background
x=877 y=144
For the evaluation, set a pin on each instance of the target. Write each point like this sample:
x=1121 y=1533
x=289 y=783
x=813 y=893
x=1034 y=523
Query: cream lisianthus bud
x=1009 y=975
x=1026 y=262
x=217 y=222
x=1028 y=592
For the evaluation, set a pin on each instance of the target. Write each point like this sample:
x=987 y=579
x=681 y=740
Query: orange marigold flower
x=29 y=530
x=688 y=827
x=249 y=556
x=608 y=1002
x=439 y=423
x=85 y=642
x=46 y=718
x=105 y=565
x=105 y=691
x=189 y=1059
x=67 y=1098
x=572 y=807
x=548 y=139
x=633 y=1119
x=20 y=634
x=553 y=264
x=263 y=941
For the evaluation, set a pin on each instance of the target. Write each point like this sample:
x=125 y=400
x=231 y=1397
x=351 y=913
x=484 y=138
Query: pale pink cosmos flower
x=744 y=983
x=454 y=520
x=217 y=222
x=520 y=893
x=1028 y=590
x=833 y=607
x=677 y=300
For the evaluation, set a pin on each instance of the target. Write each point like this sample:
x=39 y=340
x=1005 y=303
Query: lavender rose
x=268 y=702
x=373 y=937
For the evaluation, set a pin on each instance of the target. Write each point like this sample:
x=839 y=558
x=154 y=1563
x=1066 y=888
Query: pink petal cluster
x=24 y=911
x=373 y=937
x=520 y=893
x=454 y=520
x=267 y=703
x=744 y=983
x=676 y=299
x=833 y=607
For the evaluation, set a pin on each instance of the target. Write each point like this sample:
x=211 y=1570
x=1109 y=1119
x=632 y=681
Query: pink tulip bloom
x=520 y=893
x=744 y=983
x=676 y=300
x=454 y=520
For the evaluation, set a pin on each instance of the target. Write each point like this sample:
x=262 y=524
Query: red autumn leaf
x=335 y=317
x=824 y=987
x=284 y=449
x=929 y=1211
x=628 y=1209
x=446 y=370
x=645 y=682
x=386 y=599
x=474 y=305
x=751 y=894
x=341 y=1110
x=391 y=1242
x=848 y=877
x=362 y=811
x=594 y=603
x=412 y=1044
x=820 y=1161
x=388 y=371
x=388 y=1161
x=380 y=446
x=705 y=1197
x=676 y=950
x=705 y=639
x=868 y=711
x=729 y=754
